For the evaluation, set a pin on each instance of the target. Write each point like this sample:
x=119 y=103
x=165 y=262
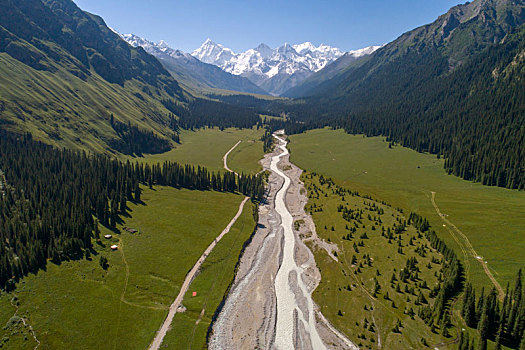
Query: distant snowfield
x=273 y=70
x=269 y=68
x=266 y=61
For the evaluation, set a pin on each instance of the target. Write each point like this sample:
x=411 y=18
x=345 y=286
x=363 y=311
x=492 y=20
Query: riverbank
x=250 y=316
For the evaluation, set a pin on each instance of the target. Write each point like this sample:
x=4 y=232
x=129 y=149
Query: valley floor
x=346 y=263
x=491 y=218
x=79 y=305
x=206 y=147
x=257 y=287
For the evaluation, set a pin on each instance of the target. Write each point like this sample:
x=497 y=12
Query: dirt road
x=189 y=278
x=466 y=246
x=225 y=158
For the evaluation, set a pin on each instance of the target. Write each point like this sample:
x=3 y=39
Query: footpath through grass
x=206 y=147
x=79 y=305
x=189 y=329
x=491 y=218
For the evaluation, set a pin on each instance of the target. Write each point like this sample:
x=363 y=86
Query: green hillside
x=63 y=73
x=441 y=46
x=455 y=92
x=71 y=81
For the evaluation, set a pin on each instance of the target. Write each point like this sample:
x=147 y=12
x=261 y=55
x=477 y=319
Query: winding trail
x=159 y=337
x=467 y=247
x=161 y=333
x=287 y=305
x=123 y=294
x=225 y=158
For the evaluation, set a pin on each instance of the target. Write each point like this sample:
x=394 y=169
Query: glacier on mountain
x=274 y=70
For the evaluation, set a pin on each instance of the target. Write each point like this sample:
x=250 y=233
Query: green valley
x=121 y=307
x=489 y=216
x=206 y=147
x=384 y=272
x=235 y=195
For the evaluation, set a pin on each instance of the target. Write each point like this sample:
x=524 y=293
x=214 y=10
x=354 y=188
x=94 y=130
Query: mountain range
x=190 y=71
x=445 y=44
x=274 y=70
x=71 y=81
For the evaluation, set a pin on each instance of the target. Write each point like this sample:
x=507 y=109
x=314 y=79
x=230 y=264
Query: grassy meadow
x=79 y=305
x=206 y=147
x=491 y=218
x=189 y=329
x=348 y=294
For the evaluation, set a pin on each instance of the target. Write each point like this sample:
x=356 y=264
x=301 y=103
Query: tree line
x=136 y=141
x=504 y=323
x=52 y=200
x=451 y=281
x=207 y=113
x=267 y=140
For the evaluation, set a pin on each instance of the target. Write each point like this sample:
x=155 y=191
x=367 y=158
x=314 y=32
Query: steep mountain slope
x=274 y=70
x=191 y=71
x=430 y=50
x=453 y=88
x=63 y=72
x=312 y=83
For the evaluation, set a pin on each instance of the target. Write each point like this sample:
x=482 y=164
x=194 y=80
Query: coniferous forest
x=267 y=140
x=472 y=116
x=503 y=323
x=133 y=140
x=201 y=113
x=451 y=280
x=52 y=200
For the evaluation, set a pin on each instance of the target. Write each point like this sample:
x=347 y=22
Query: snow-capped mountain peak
x=304 y=47
x=190 y=69
x=274 y=70
x=365 y=51
x=263 y=64
x=287 y=50
x=155 y=49
x=213 y=53
x=265 y=50
x=163 y=44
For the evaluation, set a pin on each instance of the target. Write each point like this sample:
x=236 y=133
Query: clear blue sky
x=243 y=24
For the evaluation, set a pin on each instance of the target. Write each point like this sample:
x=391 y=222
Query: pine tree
x=469 y=309
x=97 y=230
x=482 y=344
x=522 y=344
x=137 y=192
x=498 y=337
x=103 y=262
x=479 y=307
x=484 y=323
